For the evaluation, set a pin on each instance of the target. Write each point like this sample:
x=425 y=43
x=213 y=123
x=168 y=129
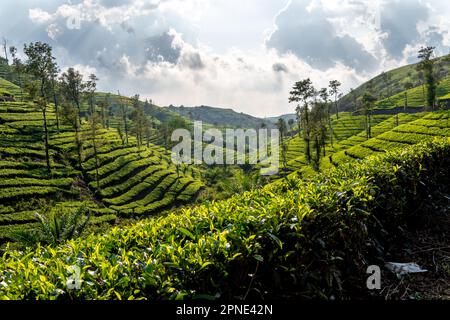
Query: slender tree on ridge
x=301 y=93
x=72 y=88
x=368 y=101
x=18 y=68
x=427 y=66
x=334 y=91
x=41 y=64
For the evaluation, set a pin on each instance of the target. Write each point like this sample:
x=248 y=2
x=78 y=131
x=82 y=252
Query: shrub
x=56 y=228
x=307 y=238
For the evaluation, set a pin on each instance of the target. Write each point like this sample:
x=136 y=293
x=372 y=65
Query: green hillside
x=344 y=128
x=220 y=117
x=10 y=88
x=10 y=83
x=285 y=117
x=157 y=113
x=157 y=230
x=426 y=127
x=415 y=97
x=392 y=83
x=308 y=234
x=132 y=181
x=351 y=143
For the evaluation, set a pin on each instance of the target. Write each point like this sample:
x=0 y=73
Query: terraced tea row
x=386 y=125
x=310 y=230
x=415 y=97
x=23 y=172
x=349 y=125
x=348 y=130
x=128 y=178
x=424 y=129
x=131 y=179
x=394 y=132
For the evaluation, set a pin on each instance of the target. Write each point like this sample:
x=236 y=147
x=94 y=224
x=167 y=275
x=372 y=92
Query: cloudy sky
x=241 y=54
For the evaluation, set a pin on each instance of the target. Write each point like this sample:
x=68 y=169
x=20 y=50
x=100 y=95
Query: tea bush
x=304 y=238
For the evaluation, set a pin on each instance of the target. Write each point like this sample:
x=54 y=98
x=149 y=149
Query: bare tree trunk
x=47 y=155
x=307 y=135
x=6 y=51
x=55 y=101
x=330 y=124
x=78 y=143
x=336 y=106
x=44 y=109
x=79 y=112
x=323 y=145
x=317 y=161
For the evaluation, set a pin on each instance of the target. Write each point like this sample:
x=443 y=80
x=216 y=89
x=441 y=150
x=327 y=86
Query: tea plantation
x=131 y=180
x=387 y=133
x=305 y=235
x=309 y=236
x=415 y=97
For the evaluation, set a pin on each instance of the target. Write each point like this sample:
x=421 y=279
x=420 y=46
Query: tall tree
x=18 y=68
x=368 y=101
x=324 y=95
x=334 y=91
x=427 y=66
x=318 y=123
x=41 y=64
x=70 y=116
x=72 y=88
x=90 y=88
x=298 y=115
x=40 y=103
x=5 y=49
x=94 y=124
x=103 y=105
x=55 y=91
x=301 y=93
x=282 y=128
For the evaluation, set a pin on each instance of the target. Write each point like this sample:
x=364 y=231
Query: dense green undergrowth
x=299 y=238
